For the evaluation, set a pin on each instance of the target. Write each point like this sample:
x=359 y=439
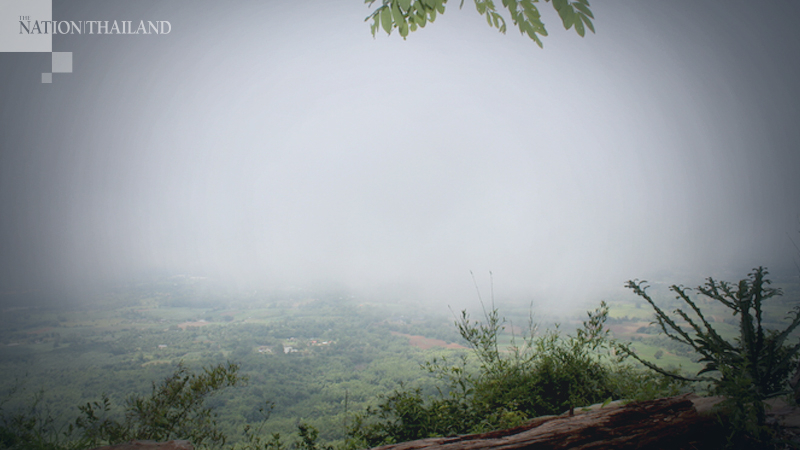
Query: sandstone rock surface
x=149 y=445
x=673 y=423
x=685 y=422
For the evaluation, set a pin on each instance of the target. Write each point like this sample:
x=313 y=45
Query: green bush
x=175 y=409
x=545 y=375
x=755 y=366
x=33 y=428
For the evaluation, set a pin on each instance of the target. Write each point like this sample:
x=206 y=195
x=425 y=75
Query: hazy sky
x=276 y=143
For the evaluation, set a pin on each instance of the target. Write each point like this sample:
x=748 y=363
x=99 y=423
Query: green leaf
x=386 y=20
x=512 y=7
x=481 y=7
x=403 y=28
x=374 y=26
x=397 y=15
x=405 y=5
x=579 y=26
x=531 y=12
x=502 y=22
x=584 y=9
x=567 y=17
x=422 y=16
x=588 y=23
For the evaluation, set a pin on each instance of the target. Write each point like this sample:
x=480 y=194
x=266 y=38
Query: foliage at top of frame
x=410 y=15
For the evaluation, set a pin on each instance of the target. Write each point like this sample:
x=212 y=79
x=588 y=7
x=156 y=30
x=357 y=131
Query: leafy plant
x=175 y=409
x=409 y=15
x=503 y=388
x=634 y=384
x=308 y=438
x=253 y=436
x=764 y=356
x=543 y=375
x=33 y=428
x=755 y=366
x=96 y=426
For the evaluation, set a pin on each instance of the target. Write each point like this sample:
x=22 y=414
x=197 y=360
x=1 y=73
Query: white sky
x=276 y=143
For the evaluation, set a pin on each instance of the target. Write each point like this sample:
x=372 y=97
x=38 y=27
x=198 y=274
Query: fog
x=267 y=144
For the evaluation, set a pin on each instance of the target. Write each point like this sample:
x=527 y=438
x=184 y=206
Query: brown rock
x=149 y=445
x=672 y=423
x=784 y=414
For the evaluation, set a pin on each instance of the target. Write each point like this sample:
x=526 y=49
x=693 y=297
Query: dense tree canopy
x=409 y=15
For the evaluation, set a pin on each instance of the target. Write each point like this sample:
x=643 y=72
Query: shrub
x=175 y=409
x=545 y=374
x=755 y=366
x=32 y=428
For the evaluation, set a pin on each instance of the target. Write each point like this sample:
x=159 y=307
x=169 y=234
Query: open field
x=425 y=343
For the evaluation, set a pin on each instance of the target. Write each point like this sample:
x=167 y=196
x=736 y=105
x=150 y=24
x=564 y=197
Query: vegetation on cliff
x=503 y=378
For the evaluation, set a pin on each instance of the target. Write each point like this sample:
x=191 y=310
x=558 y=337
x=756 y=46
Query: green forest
x=181 y=359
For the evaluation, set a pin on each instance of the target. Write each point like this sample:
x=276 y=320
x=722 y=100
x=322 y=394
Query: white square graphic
x=62 y=62
x=25 y=26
